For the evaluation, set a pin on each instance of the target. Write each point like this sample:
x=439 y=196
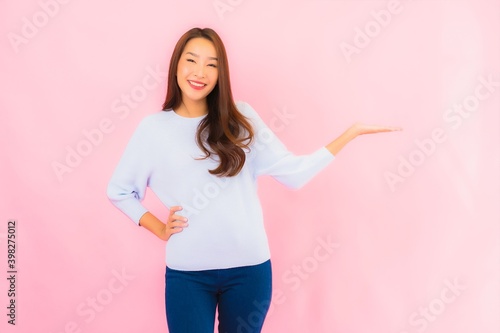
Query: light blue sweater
x=226 y=227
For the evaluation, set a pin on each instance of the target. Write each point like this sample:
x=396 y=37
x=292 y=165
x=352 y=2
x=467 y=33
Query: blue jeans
x=241 y=294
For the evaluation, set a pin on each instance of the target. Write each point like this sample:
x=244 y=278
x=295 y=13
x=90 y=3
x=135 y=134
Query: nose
x=199 y=71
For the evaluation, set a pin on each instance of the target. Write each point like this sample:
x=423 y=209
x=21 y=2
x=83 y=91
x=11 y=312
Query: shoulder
x=156 y=117
x=247 y=110
x=153 y=120
x=151 y=124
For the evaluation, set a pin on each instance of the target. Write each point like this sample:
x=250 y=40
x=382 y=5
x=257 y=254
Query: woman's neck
x=192 y=109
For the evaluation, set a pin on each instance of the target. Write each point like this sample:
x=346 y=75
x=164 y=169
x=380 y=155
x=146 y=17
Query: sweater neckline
x=187 y=118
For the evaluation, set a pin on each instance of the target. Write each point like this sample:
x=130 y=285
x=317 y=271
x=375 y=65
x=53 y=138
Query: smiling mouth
x=196 y=85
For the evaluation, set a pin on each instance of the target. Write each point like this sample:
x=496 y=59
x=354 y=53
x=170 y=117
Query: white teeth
x=197 y=84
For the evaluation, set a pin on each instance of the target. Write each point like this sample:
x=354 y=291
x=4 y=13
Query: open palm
x=361 y=128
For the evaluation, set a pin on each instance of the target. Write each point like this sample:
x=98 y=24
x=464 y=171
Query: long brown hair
x=224 y=132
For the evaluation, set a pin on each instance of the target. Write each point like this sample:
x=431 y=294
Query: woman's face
x=197 y=71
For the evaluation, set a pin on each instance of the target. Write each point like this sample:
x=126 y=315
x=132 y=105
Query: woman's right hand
x=175 y=223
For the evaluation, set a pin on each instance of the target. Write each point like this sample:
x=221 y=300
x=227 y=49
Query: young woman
x=201 y=156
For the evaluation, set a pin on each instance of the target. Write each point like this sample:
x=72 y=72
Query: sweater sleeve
x=129 y=181
x=272 y=157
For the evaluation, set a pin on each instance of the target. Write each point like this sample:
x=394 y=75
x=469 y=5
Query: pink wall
x=399 y=235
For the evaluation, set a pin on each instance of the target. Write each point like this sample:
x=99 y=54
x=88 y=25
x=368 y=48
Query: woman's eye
x=190 y=60
x=213 y=65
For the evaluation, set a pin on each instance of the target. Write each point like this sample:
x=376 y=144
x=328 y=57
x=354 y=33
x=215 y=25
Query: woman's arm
x=175 y=224
x=355 y=130
x=271 y=157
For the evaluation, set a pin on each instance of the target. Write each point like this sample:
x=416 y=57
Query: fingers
x=176 y=223
x=370 y=129
x=174 y=217
x=174 y=209
x=393 y=129
x=384 y=128
x=175 y=230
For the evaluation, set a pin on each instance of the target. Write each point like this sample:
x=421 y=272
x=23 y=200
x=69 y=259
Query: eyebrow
x=195 y=55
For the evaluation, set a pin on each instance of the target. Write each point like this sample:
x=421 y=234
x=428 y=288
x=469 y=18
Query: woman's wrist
x=336 y=145
x=153 y=224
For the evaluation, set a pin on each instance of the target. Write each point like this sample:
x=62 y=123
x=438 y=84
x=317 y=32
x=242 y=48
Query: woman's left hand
x=352 y=132
x=360 y=128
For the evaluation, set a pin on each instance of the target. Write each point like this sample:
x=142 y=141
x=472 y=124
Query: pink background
x=411 y=213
